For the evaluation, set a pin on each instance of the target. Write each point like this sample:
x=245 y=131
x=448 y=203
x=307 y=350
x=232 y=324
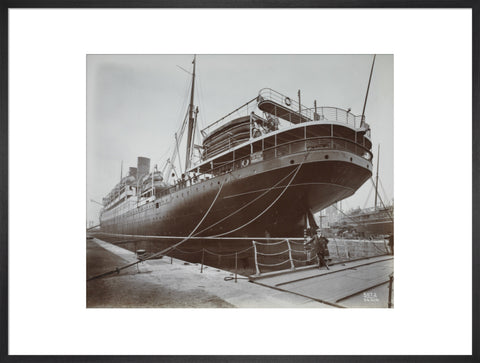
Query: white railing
x=241 y=111
x=323 y=113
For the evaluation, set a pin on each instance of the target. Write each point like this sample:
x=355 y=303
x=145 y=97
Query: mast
x=366 y=95
x=191 y=121
x=376 y=182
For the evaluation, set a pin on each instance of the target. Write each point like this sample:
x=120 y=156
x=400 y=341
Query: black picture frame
x=4 y=147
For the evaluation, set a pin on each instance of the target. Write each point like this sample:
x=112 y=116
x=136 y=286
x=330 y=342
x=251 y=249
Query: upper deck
x=270 y=126
x=272 y=120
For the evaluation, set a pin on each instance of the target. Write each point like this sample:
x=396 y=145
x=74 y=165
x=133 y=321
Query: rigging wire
x=381 y=201
x=201 y=100
x=246 y=205
x=368 y=197
x=346 y=215
x=383 y=189
x=271 y=205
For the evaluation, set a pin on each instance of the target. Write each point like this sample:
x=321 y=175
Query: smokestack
x=132 y=171
x=143 y=166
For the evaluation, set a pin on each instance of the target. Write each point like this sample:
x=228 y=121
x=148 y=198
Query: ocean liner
x=260 y=171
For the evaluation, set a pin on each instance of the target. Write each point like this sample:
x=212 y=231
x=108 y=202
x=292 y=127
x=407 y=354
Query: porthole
x=351 y=159
x=292 y=161
x=326 y=156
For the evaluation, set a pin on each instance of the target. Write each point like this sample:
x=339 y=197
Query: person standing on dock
x=320 y=247
x=323 y=252
x=390 y=243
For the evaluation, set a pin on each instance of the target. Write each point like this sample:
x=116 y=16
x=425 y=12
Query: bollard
x=203 y=255
x=236 y=266
x=390 y=283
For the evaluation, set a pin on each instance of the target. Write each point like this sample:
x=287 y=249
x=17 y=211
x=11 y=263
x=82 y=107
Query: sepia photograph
x=240 y=181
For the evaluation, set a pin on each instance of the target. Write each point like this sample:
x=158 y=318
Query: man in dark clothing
x=320 y=247
x=322 y=251
x=390 y=242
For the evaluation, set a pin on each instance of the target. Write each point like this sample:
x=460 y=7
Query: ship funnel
x=143 y=166
x=132 y=171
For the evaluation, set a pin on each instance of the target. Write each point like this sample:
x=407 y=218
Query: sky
x=136 y=103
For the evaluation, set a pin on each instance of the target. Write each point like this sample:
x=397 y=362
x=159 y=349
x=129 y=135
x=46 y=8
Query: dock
x=173 y=283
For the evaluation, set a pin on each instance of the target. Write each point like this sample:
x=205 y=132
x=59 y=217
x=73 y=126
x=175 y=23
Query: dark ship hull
x=318 y=183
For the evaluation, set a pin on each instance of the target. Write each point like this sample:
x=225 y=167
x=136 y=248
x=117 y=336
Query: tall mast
x=366 y=95
x=191 y=120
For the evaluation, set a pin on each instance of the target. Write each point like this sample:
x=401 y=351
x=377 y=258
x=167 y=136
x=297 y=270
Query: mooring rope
x=117 y=270
x=246 y=205
x=271 y=204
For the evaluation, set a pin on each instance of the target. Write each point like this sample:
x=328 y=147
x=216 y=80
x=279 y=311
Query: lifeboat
x=233 y=133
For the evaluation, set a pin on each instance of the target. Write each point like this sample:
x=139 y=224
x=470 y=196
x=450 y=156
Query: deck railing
x=241 y=111
x=287 y=148
x=323 y=113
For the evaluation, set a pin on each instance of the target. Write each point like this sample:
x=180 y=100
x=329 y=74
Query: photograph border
x=4 y=147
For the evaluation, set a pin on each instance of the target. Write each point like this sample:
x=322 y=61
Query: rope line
x=274 y=264
x=227 y=254
x=165 y=250
x=272 y=254
x=182 y=251
x=276 y=199
x=270 y=244
x=199 y=238
x=296 y=243
x=307 y=260
x=246 y=205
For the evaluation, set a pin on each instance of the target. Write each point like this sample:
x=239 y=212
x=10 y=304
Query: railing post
x=390 y=283
x=251 y=122
x=236 y=265
x=256 y=259
x=203 y=256
x=292 y=265
x=275 y=145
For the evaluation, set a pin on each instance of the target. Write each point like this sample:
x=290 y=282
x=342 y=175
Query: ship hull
x=268 y=198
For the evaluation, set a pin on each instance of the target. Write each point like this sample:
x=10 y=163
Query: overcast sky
x=135 y=104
